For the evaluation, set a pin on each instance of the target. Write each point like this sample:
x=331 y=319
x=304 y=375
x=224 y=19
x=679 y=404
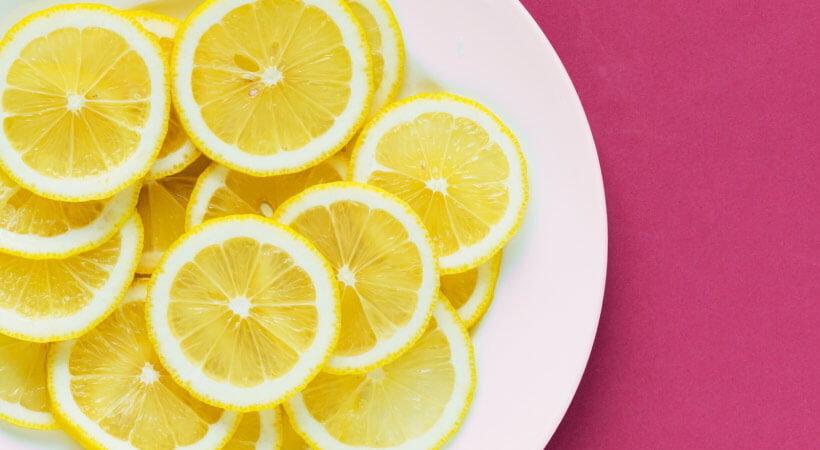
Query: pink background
x=706 y=115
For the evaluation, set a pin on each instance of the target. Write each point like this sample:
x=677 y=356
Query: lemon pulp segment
x=23 y=395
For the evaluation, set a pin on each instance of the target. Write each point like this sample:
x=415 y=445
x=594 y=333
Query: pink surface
x=706 y=116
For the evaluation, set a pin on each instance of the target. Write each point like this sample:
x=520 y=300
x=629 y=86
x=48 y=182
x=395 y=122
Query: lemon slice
x=416 y=402
x=269 y=87
x=56 y=299
x=162 y=206
x=84 y=102
x=290 y=438
x=109 y=390
x=23 y=395
x=223 y=192
x=384 y=263
x=386 y=49
x=457 y=165
x=243 y=312
x=36 y=227
x=471 y=292
x=258 y=431
x=177 y=150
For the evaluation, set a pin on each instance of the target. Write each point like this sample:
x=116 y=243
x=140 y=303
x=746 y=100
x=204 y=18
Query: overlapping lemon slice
x=415 y=402
x=457 y=165
x=258 y=431
x=223 y=192
x=23 y=395
x=55 y=299
x=243 y=312
x=471 y=292
x=268 y=87
x=109 y=390
x=384 y=263
x=177 y=150
x=290 y=438
x=84 y=102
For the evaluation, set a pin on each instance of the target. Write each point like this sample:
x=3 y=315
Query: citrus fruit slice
x=223 y=192
x=109 y=390
x=162 y=206
x=23 y=395
x=457 y=165
x=55 y=299
x=84 y=102
x=243 y=312
x=416 y=402
x=268 y=87
x=177 y=150
x=290 y=438
x=384 y=263
x=36 y=227
x=471 y=292
x=386 y=49
x=258 y=431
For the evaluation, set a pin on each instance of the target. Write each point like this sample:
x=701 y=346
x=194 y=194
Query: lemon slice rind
x=480 y=299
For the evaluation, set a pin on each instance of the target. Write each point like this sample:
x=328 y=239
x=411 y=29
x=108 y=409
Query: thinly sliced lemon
x=258 y=431
x=243 y=312
x=177 y=150
x=84 y=102
x=223 y=192
x=268 y=87
x=471 y=292
x=56 y=299
x=290 y=438
x=384 y=263
x=457 y=165
x=162 y=207
x=416 y=402
x=36 y=227
x=109 y=390
x=23 y=395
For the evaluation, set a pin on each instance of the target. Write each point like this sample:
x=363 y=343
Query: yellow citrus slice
x=23 y=395
x=56 y=299
x=243 y=312
x=177 y=150
x=384 y=263
x=471 y=292
x=109 y=390
x=37 y=227
x=457 y=165
x=416 y=402
x=162 y=206
x=223 y=192
x=268 y=87
x=84 y=102
x=290 y=438
x=258 y=431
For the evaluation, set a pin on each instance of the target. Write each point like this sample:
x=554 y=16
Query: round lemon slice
x=471 y=292
x=177 y=150
x=37 y=228
x=109 y=390
x=384 y=263
x=457 y=165
x=416 y=402
x=223 y=192
x=258 y=431
x=268 y=87
x=56 y=299
x=162 y=206
x=290 y=438
x=243 y=312
x=84 y=102
x=23 y=395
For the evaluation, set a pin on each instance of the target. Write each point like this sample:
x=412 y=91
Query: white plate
x=533 y=344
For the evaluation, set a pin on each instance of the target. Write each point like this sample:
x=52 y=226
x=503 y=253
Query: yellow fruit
x=384 y=263
x=290 y=438
x=456 y=165
x=23 y=395
x=109 y=390
x=243 y=312
x=416 y=402
x=258 y=431
x=471 y=292
x=84 y=102
x=268 y=87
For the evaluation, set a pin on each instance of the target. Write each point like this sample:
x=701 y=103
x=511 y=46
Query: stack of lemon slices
x=189 y=258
